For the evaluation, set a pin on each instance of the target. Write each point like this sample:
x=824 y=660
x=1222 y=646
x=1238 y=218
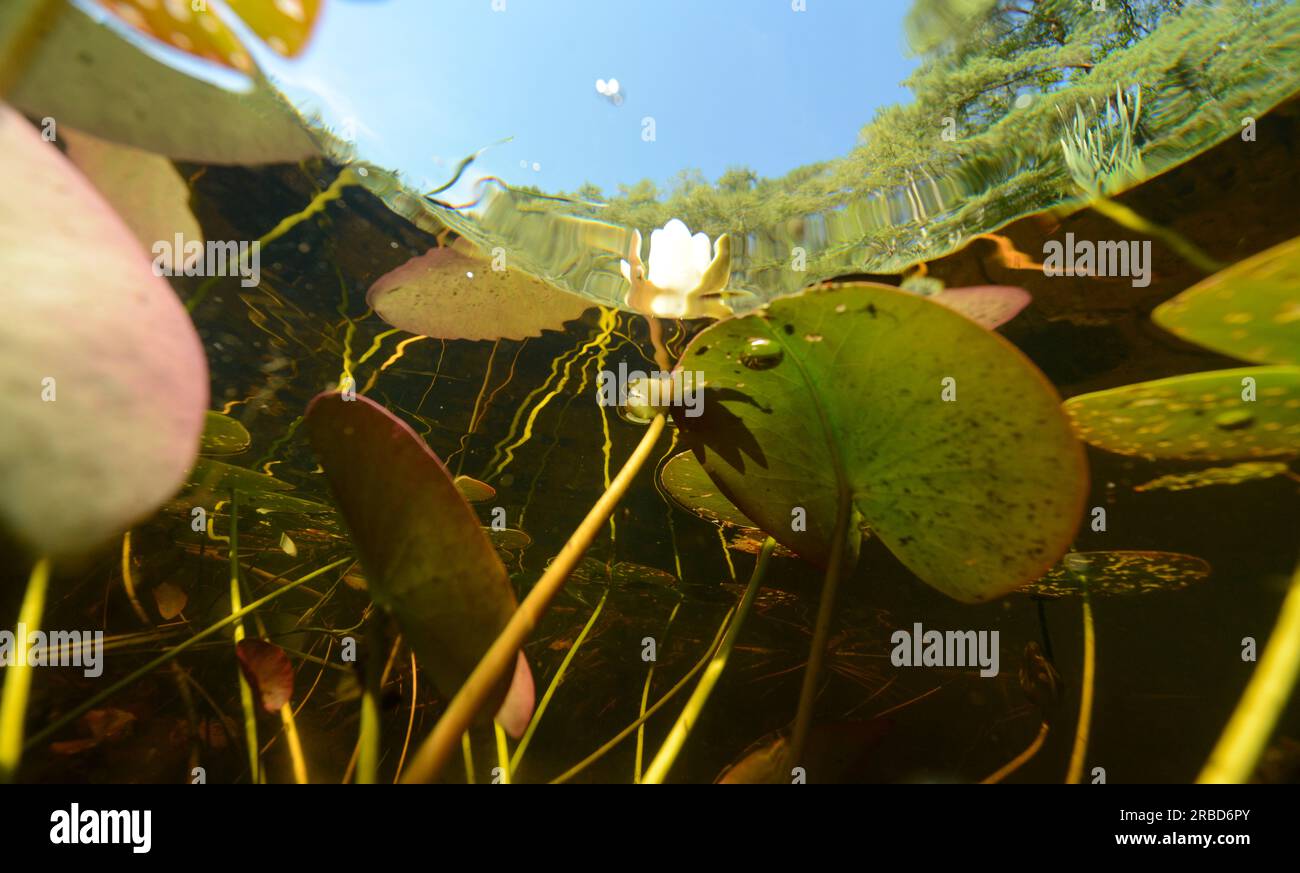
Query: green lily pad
x=690 y=487
x=1246 y=471
x=1200 y=416
x=977 y=496
x=223 y=435
x=1120 y=573
x=1250 y=311
x=85 y=74
x=452 y=292
x=426 y=559
x=103 y=380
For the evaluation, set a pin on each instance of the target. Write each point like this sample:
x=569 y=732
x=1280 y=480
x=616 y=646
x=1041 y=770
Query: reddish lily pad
x=989 y=305
x=426 y=558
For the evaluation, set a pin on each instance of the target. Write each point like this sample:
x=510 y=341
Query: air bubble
x=761 y=354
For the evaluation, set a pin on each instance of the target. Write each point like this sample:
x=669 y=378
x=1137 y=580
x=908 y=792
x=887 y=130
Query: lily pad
x=426 y=559
x=223 y=435
x=690 y=487
x=1119 y=573
x=508 y=539
x=1200 y=416
x=86 y=74
x=473 y=490
x=977 y=495
x=989 y=305
x=103 y=380
x=143 y=188
x=214 y=480
x=268 y=670
x=1250 y=311
x=285 y=25
x=451 y=292
x=171 y=600
x=1246 y=471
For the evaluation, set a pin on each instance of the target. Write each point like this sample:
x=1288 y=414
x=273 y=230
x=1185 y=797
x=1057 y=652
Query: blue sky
x=728 y=82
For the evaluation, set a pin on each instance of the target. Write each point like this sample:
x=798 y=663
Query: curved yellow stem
x=1080 y=752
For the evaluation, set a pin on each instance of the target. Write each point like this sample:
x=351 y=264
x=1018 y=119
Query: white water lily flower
x=687 y=275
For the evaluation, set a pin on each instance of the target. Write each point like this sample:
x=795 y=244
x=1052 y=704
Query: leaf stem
x=1235 y=755
x=18 y=674
x=690 y=715
x=1080 y=752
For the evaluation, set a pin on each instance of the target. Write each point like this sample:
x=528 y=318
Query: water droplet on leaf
x=761 y=354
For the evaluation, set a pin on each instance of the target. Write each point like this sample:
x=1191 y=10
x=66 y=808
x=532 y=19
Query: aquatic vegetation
x=104 y=374
x=1224 y=415
x=685 y=278
x=223 y=435
x=1250 y=310
x=127 y=96
x=427 y=560
x=1100 y=148
x=452 y=292
x=792 y=443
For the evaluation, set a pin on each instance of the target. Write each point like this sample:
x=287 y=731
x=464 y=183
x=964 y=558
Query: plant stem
x=85 y=707
x=368 y=740
x=503 y=752
x=1019 y=760
x=554 y=684
x=467 y=748
x=1080 y=752
x=645 y=694
x=499 y=661
x=18 y=674
x=1188 y=250
x=236 y=603
x=690 y=715
x=659 y=704
x=821 y=635
x=1235 y=755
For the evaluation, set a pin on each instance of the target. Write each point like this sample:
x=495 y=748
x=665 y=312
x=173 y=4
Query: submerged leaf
x=1120 y=573
x=427 y=560
x=977 y=494
x=1246 y=471
x=473 y=490
x=171 y=600
x=223 y=435
x=448 y=293
x=1200 y=416
x=690 y=487
x=268 y=670
x=103 y=380
x=214 y=480
x=1250 y=311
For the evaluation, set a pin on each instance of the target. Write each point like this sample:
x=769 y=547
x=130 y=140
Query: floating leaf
x=1200 y=416
x=508 y=539
x=1119 y=573
x=977 y=496
x=171 y=600
x=284 y=25
x=427 y=560
x=1250 y=311
x=103 y=380
x=473 y=490
x=268 y=670
x=448 y=293
x=223 y=435
x=84 y=74
x=690 y=487
x=143 y=188
x=1247 y=471
x=989 y=305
